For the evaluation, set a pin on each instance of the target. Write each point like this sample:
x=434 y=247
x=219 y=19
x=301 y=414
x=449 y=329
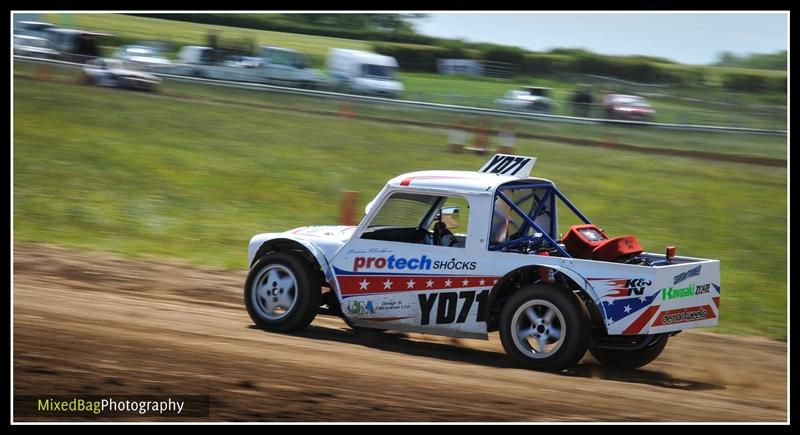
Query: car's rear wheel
x=281 y=294
x=630 y=359
x=543 y=327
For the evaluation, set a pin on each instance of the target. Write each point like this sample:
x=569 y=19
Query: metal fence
x=689 y=120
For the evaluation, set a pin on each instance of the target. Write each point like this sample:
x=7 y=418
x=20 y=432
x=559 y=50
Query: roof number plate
x=506 y=164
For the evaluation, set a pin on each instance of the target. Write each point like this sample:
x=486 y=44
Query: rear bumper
x=662 y=299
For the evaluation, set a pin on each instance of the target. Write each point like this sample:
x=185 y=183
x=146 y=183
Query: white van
x=193 y=59
x=363 y=72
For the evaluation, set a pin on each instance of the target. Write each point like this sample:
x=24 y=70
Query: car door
x=391 y=275
x=279 y=67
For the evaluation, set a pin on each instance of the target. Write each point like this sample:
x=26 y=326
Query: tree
x=393 y=23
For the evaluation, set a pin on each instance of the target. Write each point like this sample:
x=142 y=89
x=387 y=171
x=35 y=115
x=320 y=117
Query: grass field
x=151 y=175
x=180 y=33
x=747 y=110
x=753 y=145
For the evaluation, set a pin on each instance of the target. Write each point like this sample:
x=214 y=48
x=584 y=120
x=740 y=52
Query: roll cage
x=545 y=205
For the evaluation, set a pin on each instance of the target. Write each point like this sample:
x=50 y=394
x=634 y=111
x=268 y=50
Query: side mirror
x=450 y=216
x=368 y=207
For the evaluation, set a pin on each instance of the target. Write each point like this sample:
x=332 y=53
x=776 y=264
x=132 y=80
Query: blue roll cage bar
x=530 y=220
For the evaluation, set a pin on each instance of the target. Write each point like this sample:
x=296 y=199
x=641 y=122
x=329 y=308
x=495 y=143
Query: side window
x=507 y=225
x=455 y=216
x=294 y=60
x=421 y=219
x=279 y=57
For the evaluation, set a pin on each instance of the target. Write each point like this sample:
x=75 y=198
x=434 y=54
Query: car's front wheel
x=543 y=327
x=281 y=293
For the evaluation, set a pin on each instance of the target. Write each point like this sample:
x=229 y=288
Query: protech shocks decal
x=421 y=263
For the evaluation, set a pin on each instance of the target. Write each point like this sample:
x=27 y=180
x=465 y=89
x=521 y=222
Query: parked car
x=119 y=74
x=531 y=98
x=33 y=46
x=146 y=55
x=363 y=72
x=629 y=107
x=409 y=266
x=32 y=28
x=272 y=65
x=192 y=58
x=288 y=67
x=75 y=45
x=240 y=61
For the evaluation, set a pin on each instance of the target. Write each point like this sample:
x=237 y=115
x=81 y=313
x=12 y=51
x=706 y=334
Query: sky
x=692 y=38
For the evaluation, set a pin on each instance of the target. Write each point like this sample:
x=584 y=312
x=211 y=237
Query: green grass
x=180 y=33
x=150 y=175
x=447 y=89
x=753 y=145
x=483 y=91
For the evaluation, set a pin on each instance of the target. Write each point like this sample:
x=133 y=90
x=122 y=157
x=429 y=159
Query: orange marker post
x=347 y=208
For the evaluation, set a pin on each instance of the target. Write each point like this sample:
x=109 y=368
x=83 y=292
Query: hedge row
x=423 y=58
x=266 y=22
x=752 y=82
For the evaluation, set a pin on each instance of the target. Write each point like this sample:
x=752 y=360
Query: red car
x=630 y=107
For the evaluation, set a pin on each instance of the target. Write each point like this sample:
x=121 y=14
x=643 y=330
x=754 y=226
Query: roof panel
x=456 y=181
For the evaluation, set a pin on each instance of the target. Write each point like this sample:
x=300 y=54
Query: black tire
x=629 y=359
x=307 y=293
x=572 y=322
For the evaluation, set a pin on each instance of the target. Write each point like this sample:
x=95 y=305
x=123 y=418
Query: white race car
x=118 y=73
x=504 y=269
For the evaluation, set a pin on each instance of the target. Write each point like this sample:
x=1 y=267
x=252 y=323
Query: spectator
x=582 y=102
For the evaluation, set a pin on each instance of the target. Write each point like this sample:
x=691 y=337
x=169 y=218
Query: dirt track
x=91 y=323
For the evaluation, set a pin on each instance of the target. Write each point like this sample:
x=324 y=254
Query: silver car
x=147 y=56
x=119 y=74
x=33 y=46
x=529 y=98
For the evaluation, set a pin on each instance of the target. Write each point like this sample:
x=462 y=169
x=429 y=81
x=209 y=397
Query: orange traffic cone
x=44 y=72
x=458 y=137
x=506 y=139
x=347 y=110
x=347 y=208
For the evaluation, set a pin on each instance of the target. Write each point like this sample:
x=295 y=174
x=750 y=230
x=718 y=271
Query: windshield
x=631 y=101
x=380 y=71
x=404 y=210
x=539 y=92
x=142 y=51
x=118 y=64
x=30 y=41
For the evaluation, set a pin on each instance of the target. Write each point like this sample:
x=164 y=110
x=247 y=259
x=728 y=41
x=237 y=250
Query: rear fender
x=588 y=292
